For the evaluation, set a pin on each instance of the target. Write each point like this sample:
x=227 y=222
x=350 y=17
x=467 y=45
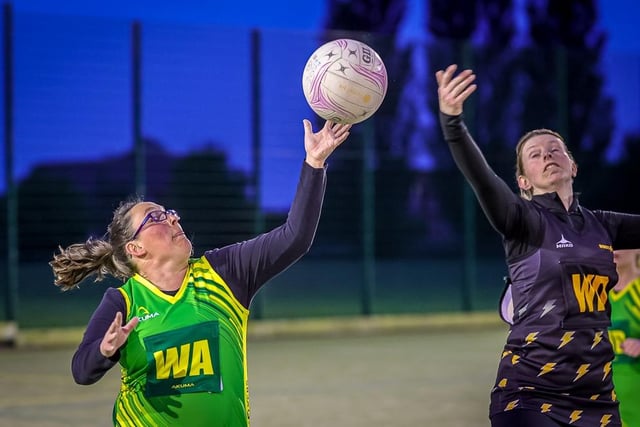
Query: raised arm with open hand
x=453 y=91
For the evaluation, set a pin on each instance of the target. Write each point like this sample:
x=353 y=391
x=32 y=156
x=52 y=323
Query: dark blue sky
x=71 y=104
x=272 y=14
x=617 y=17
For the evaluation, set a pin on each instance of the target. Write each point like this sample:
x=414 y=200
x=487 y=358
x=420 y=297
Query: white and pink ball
x=344 y=81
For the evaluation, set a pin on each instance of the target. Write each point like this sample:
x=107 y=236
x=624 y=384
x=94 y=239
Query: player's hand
x=321 y=144
x=116 y=335
x=454 y=91
x=631 y=347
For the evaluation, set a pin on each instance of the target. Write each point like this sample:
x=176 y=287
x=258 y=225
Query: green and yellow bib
x=185 y=362
x=625 y=323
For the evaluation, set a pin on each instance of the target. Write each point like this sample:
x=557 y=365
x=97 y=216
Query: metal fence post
x=136 y=100
x=368 y=218
x=10 y=332
x=256 y=152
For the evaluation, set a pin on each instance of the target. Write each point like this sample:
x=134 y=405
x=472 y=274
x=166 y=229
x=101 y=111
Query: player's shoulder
x=114 y=293
x=635 y=285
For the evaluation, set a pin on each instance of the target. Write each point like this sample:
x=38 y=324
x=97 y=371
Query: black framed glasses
x=156 y=216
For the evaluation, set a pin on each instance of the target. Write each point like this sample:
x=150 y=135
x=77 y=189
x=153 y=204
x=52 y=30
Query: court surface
x=413 y=378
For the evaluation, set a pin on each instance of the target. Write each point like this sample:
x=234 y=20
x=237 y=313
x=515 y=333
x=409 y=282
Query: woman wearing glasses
x=178 y=324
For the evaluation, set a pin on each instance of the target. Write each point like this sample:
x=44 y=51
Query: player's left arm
x=247 y=265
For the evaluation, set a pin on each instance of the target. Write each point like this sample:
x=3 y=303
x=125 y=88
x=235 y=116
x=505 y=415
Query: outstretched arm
x=494 y=195
x=246 y=266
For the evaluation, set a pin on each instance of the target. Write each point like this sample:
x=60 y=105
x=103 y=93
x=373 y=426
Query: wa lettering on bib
x=185 y=360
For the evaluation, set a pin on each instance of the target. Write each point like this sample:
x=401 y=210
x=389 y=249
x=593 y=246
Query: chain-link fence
x=208 y=121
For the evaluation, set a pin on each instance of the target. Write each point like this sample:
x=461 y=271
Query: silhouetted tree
x=624 y=175
x=549 y=77
x=51 y=212
x=453 y=19
x=398 y=227
x=565 y=84
x=211 y=200
x=63 y=204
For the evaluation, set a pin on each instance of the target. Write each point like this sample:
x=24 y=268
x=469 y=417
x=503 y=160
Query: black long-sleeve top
x=509 y=214
x=245 y=267
x=557 y=358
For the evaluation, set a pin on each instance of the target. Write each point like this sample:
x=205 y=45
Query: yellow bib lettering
x=177 y=361
x=589 y=289
x=201 y=359
x=173 y=361
x=617 y=337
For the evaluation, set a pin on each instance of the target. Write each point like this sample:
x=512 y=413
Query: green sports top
x=625 y=323
x=173 y=361
x=184 y=363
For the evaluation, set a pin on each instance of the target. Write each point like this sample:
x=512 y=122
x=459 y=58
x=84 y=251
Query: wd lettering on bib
x=586 y=298
x=590 y=291
x=184 y=360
